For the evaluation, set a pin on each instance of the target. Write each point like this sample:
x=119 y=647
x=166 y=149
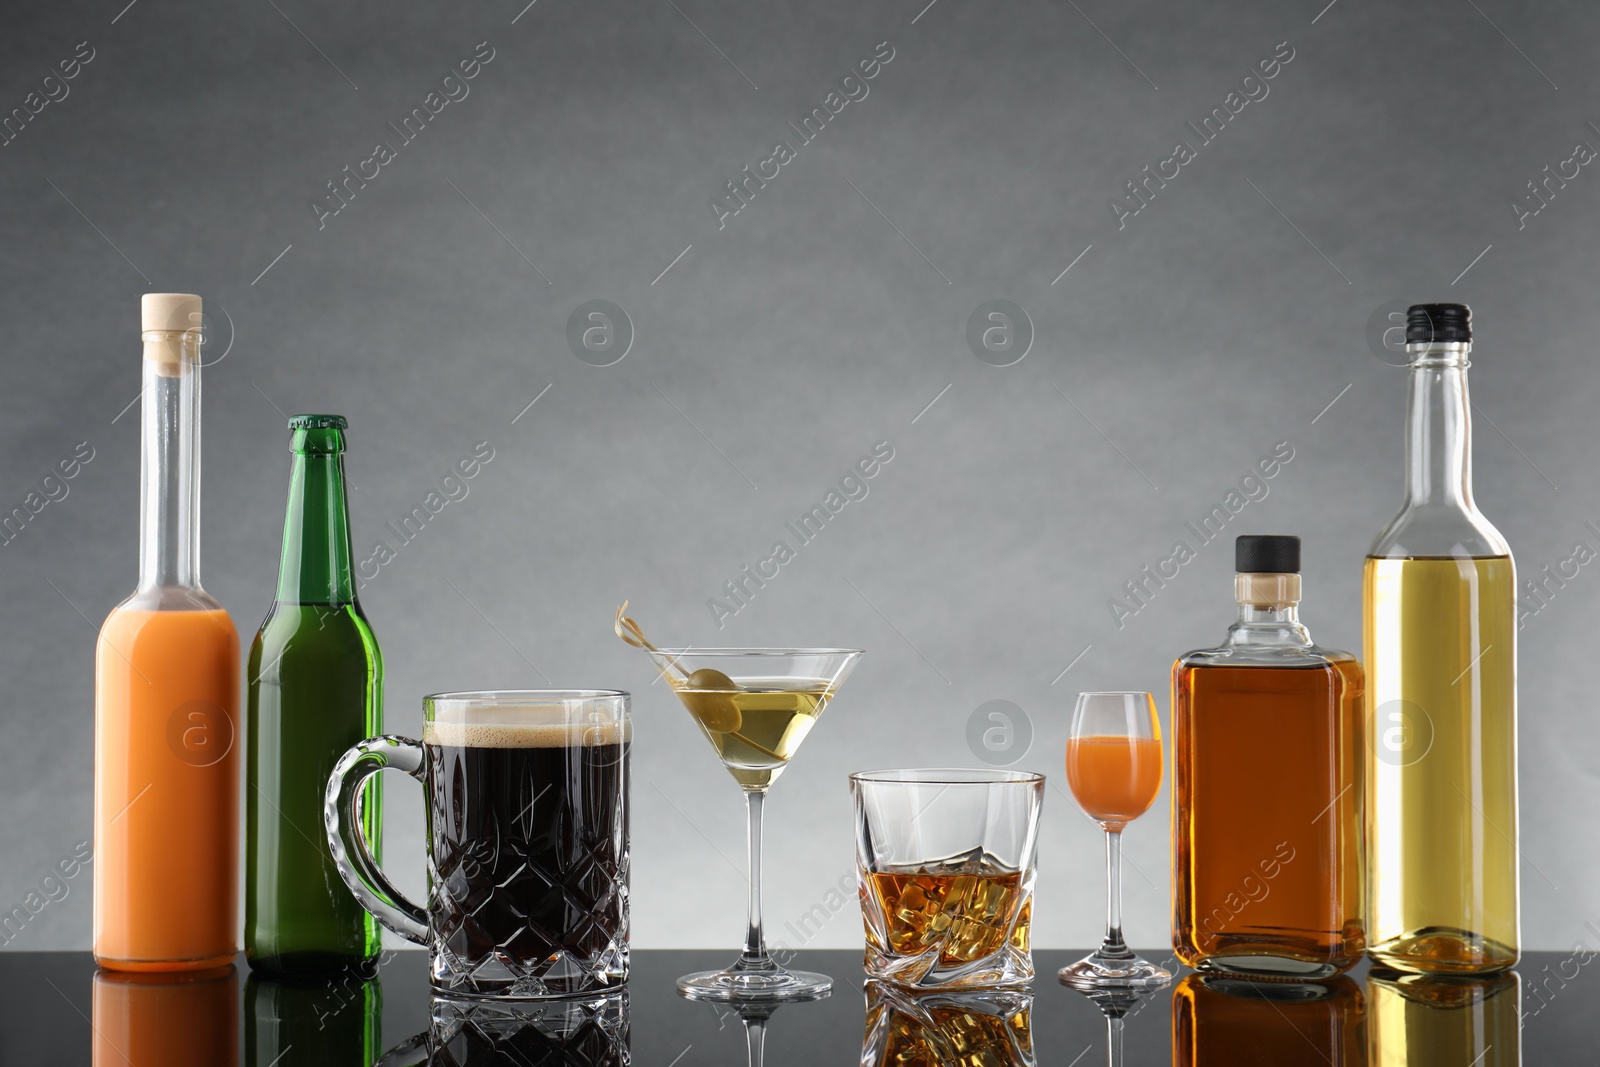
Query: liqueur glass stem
x=1113 y=944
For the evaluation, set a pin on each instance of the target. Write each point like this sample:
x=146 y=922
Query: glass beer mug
x=527 y=806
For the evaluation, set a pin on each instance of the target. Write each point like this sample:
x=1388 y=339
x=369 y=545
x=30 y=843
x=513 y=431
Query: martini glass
x=755 y=706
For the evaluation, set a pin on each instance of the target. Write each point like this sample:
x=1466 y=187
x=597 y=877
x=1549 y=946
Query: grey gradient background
x=1226 y=317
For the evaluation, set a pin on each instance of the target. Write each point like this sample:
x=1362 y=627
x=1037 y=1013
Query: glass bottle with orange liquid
x=1268 y=865
x=166 y=797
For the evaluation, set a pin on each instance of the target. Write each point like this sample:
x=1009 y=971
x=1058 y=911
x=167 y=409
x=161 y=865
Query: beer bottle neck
x=316 y=532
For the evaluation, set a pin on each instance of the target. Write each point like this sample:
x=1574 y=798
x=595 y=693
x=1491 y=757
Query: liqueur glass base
x=1101 y=971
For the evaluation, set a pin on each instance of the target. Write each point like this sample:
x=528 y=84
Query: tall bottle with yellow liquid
x=166 y=762
x=1439 y=600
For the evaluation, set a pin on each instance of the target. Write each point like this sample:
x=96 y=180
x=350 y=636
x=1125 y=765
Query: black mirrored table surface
x=55 y=1008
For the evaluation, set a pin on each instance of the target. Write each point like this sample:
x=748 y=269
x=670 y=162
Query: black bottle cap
x=1426 y=323
x=318 y=422
x=1267 y=554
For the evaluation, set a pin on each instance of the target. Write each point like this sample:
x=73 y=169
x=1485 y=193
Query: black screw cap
x=1426 y=323
x=1267 y=554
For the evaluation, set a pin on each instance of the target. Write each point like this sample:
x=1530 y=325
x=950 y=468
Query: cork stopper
x=1266 y=590
x=170 y=323
x=169 y=311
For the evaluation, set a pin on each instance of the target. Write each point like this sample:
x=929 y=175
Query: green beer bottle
x=315 y=688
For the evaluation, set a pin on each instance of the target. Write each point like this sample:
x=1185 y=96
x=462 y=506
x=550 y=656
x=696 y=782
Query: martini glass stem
x=754 y=957
x=1114 y=946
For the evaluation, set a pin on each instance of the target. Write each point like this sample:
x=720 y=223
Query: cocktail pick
x=632 y=634
x=716 y=710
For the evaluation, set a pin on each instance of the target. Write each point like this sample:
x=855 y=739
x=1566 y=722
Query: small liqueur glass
x=1114 y=769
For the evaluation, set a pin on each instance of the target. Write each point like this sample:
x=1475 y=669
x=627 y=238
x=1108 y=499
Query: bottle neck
x=169 y=461
x=1275 y=615
x=1269 y=611
x=1439 y=427
x=316 y=530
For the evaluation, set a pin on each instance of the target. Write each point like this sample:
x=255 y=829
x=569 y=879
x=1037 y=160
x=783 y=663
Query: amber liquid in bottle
x=1268 y=863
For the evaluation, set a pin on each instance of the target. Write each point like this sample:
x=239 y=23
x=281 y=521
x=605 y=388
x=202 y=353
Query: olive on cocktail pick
x=708 y=694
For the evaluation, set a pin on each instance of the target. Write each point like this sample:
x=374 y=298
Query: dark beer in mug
x=527 y=798
x=529 y=849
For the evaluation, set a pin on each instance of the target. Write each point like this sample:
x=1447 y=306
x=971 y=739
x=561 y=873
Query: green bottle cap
x=318 y=422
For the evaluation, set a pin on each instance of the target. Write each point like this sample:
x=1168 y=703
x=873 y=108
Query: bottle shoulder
x=1438 y=530
x=198 y=630
x=171 y=598
x=324 y=626
x=1283 y=657
x=313 y=652
x=1208 y=675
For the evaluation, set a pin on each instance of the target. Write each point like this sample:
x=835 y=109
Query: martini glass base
x=773 y=987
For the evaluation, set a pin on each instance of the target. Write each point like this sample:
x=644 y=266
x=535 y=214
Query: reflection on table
x=753 y=1016
x=166 y=1020
x=1218 y=1020
x=969 y=1029
x=575 y=1032
x=1417 y=1022
x=48 y=1002
x=302 y=1022
x=1117 y=1006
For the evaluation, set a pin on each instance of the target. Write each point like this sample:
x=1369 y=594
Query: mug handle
x=351 y=853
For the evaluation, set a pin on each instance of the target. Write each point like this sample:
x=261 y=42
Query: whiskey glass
x=946 y=864
x=1114 y=768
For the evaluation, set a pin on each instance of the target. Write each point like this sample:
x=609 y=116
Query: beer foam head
x=524 y=726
